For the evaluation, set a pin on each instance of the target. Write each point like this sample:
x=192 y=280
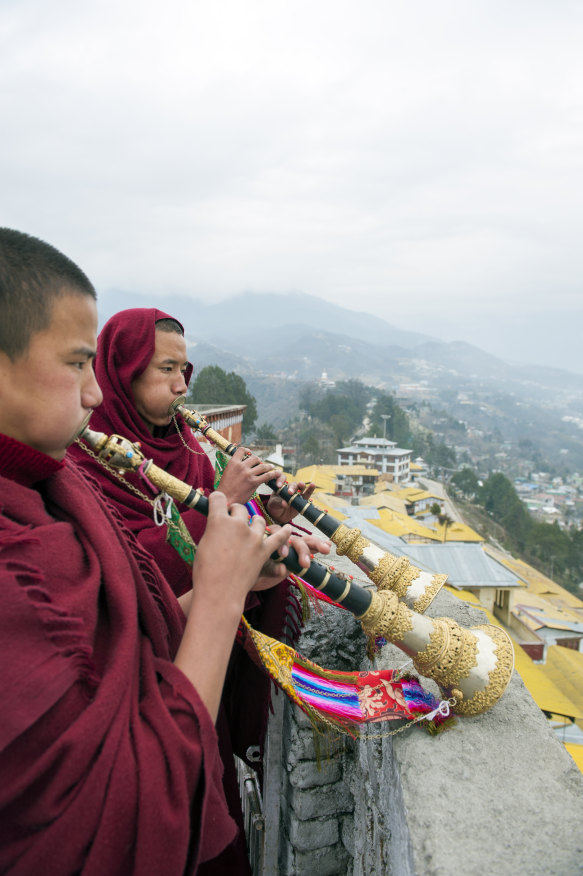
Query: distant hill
x=238 y=322
x=276 y=340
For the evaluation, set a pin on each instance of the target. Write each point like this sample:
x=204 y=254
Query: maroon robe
x=109 y=760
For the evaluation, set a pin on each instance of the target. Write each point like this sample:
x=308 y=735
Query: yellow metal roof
x=576 y=752
x=401 y=524
x=543 y=612
x=321 y=475
x=396 y=522
x=333 y=504
x=457 y=532
x=549 y=692
x=384 y=499
x=539 y=584
x=465 y=596
x=564 y=667
x=414 y=494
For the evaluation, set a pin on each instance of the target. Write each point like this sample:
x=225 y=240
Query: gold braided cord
x=190 y=449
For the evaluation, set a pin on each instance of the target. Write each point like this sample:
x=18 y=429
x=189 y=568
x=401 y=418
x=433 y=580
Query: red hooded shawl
x=108 y=757
x=125 y=347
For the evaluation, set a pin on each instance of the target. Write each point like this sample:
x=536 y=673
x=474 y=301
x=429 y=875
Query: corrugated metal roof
x=467 y=565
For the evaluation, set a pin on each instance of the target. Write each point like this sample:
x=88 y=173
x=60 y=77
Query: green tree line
x=557 y=552
x=214 y=386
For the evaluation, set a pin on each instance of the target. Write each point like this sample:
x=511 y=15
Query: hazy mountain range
x=276 y=343
x=301 y=336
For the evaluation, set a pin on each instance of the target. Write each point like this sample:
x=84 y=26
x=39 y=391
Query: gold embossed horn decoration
x=389 y=572
x=474 y=665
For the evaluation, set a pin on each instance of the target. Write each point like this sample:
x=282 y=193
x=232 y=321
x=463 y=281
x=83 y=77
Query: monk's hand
x=244 y=474
x=304 y=546
x=279 y=510
x=233 y=550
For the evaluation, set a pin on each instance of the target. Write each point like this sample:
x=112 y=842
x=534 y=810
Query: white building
x=379 y=453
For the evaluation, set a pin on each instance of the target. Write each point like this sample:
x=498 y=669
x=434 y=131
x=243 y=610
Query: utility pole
x=385 y=417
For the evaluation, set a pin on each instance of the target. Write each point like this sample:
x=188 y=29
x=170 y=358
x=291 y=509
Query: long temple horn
x=474 y=665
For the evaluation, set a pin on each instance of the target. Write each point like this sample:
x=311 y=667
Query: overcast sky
x=421 y=160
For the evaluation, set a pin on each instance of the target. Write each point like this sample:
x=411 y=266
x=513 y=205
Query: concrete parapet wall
x=497 y=793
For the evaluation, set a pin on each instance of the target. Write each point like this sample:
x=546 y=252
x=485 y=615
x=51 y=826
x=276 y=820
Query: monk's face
x=162 y=381
x=46 y=393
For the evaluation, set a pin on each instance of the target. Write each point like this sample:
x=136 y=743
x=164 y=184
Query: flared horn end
x=473 y=665
x=488 y=680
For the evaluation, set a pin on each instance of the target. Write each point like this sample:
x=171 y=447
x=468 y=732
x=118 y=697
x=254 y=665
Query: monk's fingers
x=277 y=539
x=238 y=512
x=217 y=504
x=316 y=544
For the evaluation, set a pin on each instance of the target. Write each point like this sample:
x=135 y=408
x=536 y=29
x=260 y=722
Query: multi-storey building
x=381 y=454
